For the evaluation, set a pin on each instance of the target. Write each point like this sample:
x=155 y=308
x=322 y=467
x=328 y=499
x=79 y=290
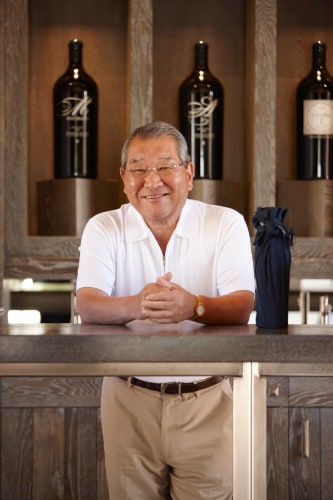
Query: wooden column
x=140 y=63
x=2 y=143
x=260 y=87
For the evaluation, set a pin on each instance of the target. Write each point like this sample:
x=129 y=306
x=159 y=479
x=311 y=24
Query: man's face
x=159 y=199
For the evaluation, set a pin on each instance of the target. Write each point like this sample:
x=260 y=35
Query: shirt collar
x=188 y=225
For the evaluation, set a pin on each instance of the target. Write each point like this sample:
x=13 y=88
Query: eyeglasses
x=163 y=169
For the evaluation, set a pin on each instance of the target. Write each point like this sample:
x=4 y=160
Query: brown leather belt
x=174 y=387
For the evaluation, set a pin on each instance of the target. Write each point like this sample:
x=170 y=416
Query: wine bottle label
x=76 y=112
x=318 y=117
x=200 y=114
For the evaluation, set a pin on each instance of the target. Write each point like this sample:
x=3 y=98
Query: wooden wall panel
x=16 y=476
x=312 y=391
x=2 y=146
x=277 y=453
x=326 y=452
x=50 y=392
x=48 y=453
x=81 y=443
x=51 y=439
x=102 y=491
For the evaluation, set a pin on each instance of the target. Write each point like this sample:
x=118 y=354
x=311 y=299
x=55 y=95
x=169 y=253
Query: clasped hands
x=166 y=302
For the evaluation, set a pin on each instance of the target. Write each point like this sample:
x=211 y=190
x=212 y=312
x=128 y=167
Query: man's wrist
x=199 y=308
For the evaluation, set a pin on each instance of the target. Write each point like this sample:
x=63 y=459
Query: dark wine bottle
x=315 y=120
x=201 y=101
x=75 y=110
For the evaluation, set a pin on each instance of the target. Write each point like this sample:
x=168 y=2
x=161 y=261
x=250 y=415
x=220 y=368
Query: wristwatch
x=199 y=309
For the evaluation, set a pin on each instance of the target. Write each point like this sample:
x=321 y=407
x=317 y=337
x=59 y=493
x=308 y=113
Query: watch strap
x=199 y=309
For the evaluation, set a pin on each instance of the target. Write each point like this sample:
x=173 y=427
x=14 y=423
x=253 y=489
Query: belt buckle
x=163 y=386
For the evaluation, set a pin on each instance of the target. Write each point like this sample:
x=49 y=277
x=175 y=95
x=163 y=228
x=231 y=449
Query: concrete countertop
x=143 y=342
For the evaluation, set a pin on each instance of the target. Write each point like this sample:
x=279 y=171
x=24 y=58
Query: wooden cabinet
x=50 y=391
x=139 y=51
x=51 y=439
x=299 y=444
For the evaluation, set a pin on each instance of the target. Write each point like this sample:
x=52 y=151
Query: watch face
x=200 y=310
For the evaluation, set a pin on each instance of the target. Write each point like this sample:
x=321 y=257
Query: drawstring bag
x=272 y=262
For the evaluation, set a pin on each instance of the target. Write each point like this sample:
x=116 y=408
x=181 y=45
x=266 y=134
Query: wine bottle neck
x=201 y=54
x=319 y=55
x=75 y=53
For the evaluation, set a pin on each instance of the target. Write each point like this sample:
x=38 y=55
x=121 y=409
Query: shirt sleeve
x=97 y=258
x=235 y=262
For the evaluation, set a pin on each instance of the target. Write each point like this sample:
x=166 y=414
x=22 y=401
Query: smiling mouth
x=155 y=196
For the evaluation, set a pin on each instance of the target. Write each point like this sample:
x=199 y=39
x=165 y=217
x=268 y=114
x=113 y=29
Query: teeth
x=153 y=196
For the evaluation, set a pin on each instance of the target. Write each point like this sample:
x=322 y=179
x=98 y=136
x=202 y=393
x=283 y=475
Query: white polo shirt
x=209 y=253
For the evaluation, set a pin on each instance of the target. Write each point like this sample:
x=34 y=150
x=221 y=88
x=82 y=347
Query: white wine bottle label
x=318 y=117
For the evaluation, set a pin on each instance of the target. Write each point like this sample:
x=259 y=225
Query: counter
x=247 y=354
x=142 y=347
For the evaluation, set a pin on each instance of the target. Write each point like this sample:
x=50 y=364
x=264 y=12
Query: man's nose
x=153 y=178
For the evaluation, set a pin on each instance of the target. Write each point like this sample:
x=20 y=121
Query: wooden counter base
x=51 y=440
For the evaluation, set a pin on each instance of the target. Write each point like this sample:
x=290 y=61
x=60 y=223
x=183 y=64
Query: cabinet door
x=277 y=454
x=51 y=439
x=326 y=456
x=277 y=438
x=299 y=438
x=304 y=453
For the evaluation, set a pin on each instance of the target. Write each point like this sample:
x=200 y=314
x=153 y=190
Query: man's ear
x=190 y=170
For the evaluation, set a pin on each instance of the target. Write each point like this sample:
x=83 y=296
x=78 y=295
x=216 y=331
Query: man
x=166 y=259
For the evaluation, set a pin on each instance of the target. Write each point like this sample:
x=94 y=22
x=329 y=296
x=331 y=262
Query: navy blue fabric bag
x=272 y=260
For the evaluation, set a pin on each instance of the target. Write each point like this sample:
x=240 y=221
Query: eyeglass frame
x=144 y=172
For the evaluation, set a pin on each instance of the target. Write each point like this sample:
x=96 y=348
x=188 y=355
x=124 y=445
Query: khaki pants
x=167 y=446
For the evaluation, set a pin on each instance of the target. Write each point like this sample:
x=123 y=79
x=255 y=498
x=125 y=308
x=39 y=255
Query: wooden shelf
x=139 y=51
